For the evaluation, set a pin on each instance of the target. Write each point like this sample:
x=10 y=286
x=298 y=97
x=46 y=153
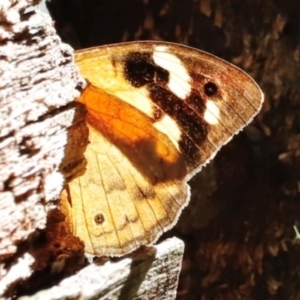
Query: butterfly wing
x=157 y=113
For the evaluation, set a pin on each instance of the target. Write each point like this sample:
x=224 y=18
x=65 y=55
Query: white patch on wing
x=137 y=98
x=179 y=78
x=170 y=128
x=212 y=113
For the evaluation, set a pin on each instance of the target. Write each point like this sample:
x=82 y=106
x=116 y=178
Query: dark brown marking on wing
x=189 y=151
x=140 y=69
x=158 y=114
x=187 y=119
x=193 y=126
x=196 y=102
x=210 y=89
x=99 y=219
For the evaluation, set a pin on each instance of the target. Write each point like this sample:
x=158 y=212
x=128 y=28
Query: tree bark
x=39 y=129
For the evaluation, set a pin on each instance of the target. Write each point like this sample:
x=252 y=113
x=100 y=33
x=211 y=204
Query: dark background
x=238 y=227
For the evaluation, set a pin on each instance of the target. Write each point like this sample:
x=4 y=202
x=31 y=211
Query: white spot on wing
x=212 y=113
x=179 y=78
x=169 y=127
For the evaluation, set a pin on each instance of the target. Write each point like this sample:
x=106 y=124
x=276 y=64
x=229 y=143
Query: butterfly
x=157 y=113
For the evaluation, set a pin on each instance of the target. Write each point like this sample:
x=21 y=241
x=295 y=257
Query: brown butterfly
x=157 y=113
